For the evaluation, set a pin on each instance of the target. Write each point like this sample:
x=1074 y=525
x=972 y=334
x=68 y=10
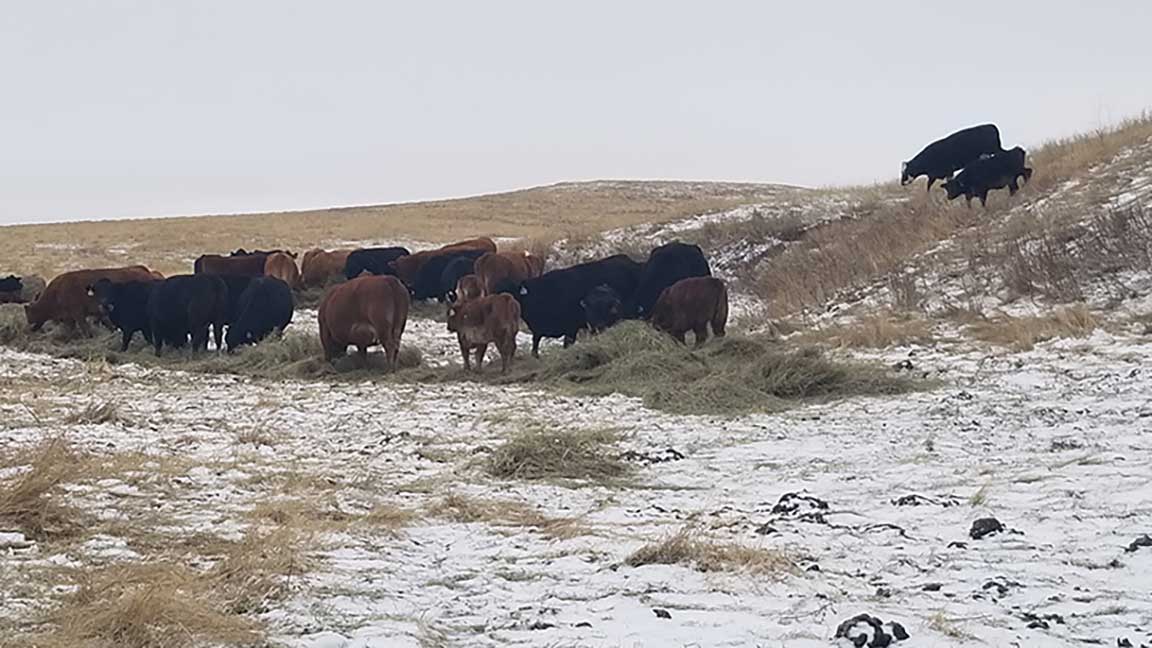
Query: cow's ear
x=91 y=291
x=523 y=290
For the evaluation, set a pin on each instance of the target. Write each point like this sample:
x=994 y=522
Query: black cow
x=373 y=260
x=125 y=305
x=236 y=284
x=456 y=268
x=11 y=283
x=550 y=303
x=993 y=172
x=431 y=275
x=602 y=308
x=266 y=305
x=666 y=265
x=185 y=305
x=262 y=253
x=940 y=159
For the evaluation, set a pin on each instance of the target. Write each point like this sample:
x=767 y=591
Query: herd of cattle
x=977 y=154
x=369 y=292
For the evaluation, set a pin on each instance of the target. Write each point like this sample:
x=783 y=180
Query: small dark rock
x=792 y=503
x=662 y=613
x=813 y=568
x=583 y=624
x=903 y=365
x=985 y=527
x=931 y=587
x=956 y=544
x=1143 y=541
x=541 y=625
x=1123 y=643
x=899 y=632
x=766 y=529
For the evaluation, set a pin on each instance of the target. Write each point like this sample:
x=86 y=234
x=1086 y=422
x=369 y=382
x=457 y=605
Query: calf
x=362 y=312
x=494 y=319
x=125 y=304
x=282 y=267
x=993 y=172
x=602 y=308
x=186 y=305
x=266 y=305
x=321 y=267
x=940 y=159
x=468 y=287
x=374 y=261
x=691 y=305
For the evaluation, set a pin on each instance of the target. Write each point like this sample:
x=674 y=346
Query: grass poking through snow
x=689 y=549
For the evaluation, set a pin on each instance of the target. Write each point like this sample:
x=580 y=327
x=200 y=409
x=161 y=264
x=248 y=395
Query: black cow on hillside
x=265 y=305
x=550 y=303
x=11 y=283
x=125 y=305
x=993 y=172
x=429 y=280
x=602 y=308
x=666 y=265
x=940 y=159
x=236 y=285
x=456 y=268
x=186 y=305
x=373 y=261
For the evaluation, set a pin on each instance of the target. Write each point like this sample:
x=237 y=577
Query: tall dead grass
x=31 y=501
x=878 y=330
x=690 y=549
x=1023 y=333
x=506 y=512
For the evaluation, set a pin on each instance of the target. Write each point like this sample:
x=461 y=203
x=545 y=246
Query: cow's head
x=952 y=188
x=905 y=177
x=36 y=314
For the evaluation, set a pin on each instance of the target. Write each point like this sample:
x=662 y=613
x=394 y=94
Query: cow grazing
x=494 y=319
x=550 y=303
x=66 y=300
x=251 y=265
x=940 y=159
x=408 y=267
x=692 y=305
x=266 y=305
x=282 y=267
x=20 y=290
x=602 y=308
x=666 y=265
x=125 y=304
x=10 y=284
x=185 y=306
x=495 y=268
x=468 y=287
x=362 y=312
x=236 y=285
x=993 y=172
x=430 y=280
x=376 y=261
x=321 y=267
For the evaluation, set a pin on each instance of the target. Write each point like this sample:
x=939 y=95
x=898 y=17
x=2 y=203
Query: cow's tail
x=720 y=313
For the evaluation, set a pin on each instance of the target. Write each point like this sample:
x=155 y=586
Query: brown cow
x=319 y=267
x=691 y=305
x=251 y=265
x=486 y=320
x=66 y=299
x=493 y=268
x=408 y=267
x=362 y=312
x=282 y=267
x=469 y=287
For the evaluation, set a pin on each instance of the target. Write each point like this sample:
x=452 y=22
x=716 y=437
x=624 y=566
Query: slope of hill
x=170 y=244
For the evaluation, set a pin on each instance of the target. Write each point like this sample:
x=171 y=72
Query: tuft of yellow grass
x=875 y=330
x=557 y=453
x=688 y=548
x=30 y=502
x=1023 y=333
x=506 y=512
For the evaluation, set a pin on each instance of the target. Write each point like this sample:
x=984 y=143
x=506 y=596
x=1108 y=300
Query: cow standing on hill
x=940 y=159
x=992 y=172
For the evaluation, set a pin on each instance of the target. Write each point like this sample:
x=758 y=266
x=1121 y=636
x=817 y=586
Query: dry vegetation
x=31 y=502
x=688 y=548
x=171 y=244
x=543 y=452
x=1022 y=333
x=506 y=512
x=878 y=330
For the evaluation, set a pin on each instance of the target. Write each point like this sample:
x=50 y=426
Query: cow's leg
x=125 y=339
x=700 y=331
x=1013 y=187
x=218 y=334
x=481 y=349
x=157 y=342
x=679 y=336
x=984 y=199
x=200 y=339
x=931 y=181
x=968 y=200
x=466 y=351
x=535 y=346
x=82 y=325
x=362 y=353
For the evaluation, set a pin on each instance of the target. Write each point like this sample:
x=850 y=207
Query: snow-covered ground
x=1055 y=443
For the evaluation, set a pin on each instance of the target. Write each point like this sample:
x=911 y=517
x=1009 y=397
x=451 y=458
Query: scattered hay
x=1023 y=333
x=258 y=569
x=875 y=331
x=506 y=512
x=28 y=502
x=687 y=548
x=557 y=453
x=95 y=414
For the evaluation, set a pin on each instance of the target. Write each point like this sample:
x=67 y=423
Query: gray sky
x=113 y=108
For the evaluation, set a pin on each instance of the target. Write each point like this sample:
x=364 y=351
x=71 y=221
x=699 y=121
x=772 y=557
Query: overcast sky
x=116 y=109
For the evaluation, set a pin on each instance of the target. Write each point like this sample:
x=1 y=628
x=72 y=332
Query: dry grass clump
x=134 y=605
x=506 y=512
x=558 y=453
x=30 y=502
x=95 y=414
x=728 y=376
x=1023 y=333
x=319 y=515
x=875 y=330
x=688 y=548
x=259 y=568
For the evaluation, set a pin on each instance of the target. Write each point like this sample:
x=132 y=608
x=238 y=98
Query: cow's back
x=66 y=297
x=282 y=267
x=376 y=303
x=251 y=265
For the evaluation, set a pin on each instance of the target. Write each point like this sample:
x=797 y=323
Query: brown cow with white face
x=494 y=319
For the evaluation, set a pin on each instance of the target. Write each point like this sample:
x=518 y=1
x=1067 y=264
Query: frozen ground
x=1055 y=443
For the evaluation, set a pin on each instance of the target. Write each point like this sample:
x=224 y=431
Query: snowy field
x=1055 y=443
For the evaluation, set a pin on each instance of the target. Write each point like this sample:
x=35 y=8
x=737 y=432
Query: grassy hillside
x=170 y=244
